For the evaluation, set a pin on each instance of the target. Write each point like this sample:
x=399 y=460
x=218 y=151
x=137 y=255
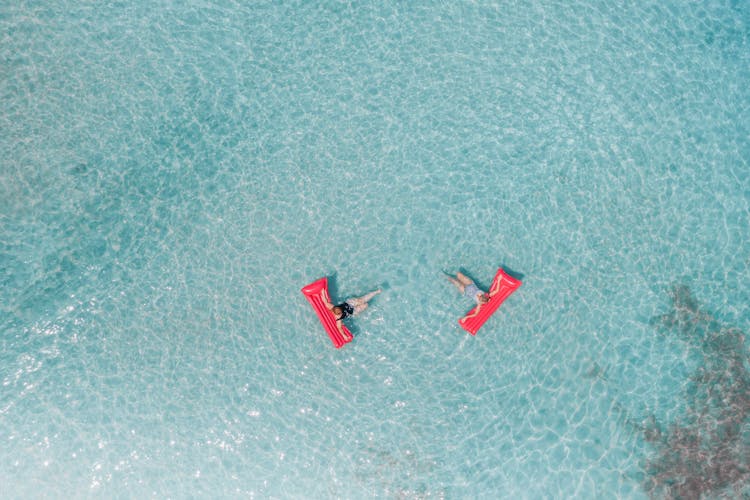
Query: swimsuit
x=346 y=310
x=471 y=290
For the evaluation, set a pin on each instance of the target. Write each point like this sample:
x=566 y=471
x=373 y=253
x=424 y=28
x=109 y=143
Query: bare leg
x=463 y=278
x=360 y=303
x=455 y=282
x=367 y=298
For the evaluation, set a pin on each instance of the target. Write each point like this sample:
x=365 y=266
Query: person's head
x=483 y=298
x=337 y=311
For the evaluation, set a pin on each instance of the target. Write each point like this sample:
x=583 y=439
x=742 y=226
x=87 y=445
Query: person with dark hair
x=350 y=307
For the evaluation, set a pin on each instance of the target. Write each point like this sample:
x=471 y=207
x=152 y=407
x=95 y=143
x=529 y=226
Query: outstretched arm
x=326 y=301
x=476 y=311
x=495 y=287
x=340 y=326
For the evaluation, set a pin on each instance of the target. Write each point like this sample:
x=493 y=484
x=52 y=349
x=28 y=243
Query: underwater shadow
x=707 y=452
x=512 y=273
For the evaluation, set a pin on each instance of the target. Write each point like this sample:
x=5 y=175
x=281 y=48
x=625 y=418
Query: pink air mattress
x=502 y=286
x=317 y=294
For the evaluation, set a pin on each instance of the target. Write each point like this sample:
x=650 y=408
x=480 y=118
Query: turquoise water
x=173 y=174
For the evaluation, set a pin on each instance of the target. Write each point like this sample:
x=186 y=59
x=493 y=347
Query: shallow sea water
x=173 y=174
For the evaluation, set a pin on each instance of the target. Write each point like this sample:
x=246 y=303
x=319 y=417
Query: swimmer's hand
x=340 y=325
